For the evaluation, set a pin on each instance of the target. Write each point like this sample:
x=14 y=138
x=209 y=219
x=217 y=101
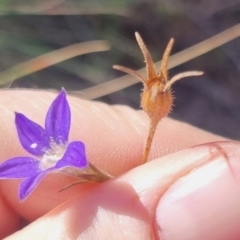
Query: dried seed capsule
x=156 y=98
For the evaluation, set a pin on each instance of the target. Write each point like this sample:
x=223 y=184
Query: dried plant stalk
x=156 y=98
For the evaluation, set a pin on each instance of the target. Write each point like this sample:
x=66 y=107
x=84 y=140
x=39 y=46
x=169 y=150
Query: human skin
x=189 y=190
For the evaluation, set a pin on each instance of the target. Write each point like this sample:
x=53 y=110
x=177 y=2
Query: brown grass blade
x=50 y=59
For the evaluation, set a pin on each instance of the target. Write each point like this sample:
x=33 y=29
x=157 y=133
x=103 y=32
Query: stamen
x=52 y=155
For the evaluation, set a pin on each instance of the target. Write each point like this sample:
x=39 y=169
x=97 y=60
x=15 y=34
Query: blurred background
x=38 y=29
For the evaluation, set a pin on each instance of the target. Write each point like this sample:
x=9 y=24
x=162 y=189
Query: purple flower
x=49 y=146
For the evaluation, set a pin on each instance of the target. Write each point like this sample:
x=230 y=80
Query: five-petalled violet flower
x=49 y=146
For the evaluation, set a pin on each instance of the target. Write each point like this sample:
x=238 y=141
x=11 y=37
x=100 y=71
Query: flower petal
x=32 y=136
x=58 y=119
x=74 y=156
x=29 y=184
x=20 y=167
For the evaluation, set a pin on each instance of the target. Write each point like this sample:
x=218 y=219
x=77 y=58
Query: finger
x=102 y=128
x=205 y=203
x=9 y=222
x=146 y=203
x=114 y=139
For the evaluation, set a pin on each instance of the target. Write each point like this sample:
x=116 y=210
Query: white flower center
x=52 y=156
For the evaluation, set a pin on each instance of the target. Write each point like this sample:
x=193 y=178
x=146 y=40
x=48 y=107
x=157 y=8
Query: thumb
x=163 y=199
x=204 y=204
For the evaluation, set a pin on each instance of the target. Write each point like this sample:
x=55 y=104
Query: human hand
x=190 y=191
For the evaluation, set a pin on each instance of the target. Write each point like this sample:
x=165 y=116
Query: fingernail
x=205 y=204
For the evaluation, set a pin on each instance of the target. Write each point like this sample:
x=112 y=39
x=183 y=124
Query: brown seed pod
x=156 y=98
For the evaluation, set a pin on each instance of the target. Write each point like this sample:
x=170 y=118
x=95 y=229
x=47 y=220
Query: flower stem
x=99 y=176
x=147 y=149
x=91 y=174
